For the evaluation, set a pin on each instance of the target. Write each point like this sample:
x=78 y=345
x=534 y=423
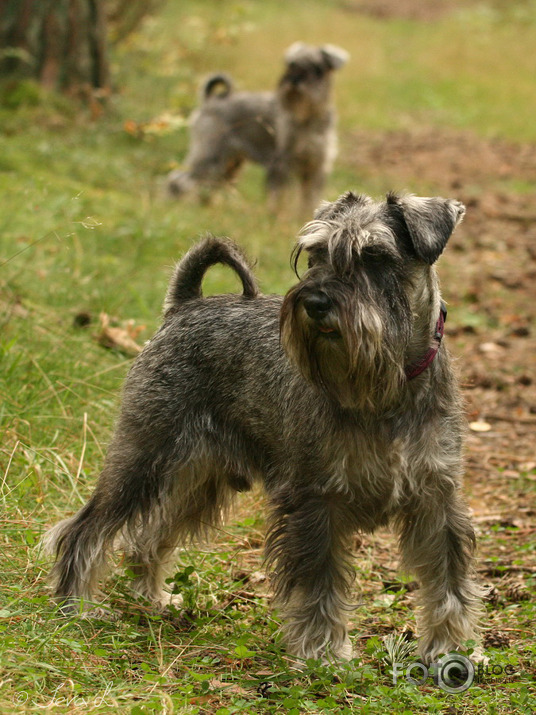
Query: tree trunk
x=60 y=43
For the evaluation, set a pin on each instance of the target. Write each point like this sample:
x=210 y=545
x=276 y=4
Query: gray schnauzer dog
x=338 y=397
x=290 y=132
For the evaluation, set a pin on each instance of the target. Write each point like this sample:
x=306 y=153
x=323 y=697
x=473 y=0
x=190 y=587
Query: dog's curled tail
x=219 y=85
x=185 y=283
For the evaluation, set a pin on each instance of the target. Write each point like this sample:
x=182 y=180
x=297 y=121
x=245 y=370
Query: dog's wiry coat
x=308 y=394
x=291 y=132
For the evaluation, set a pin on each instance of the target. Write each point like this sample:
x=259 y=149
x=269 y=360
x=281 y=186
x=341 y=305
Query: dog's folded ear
x=334 y=56
x=430 y=222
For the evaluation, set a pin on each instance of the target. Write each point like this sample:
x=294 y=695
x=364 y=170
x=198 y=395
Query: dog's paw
x=100 y=613
x=161 y=602
x=327 y=656
x=478 y=656
x=347 y=651
x=343 y=653
x=169 y=601
x=78 y=607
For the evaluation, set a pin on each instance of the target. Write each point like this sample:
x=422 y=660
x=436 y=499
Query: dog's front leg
x=437 y=542
x=308 y=543
x=312 y=185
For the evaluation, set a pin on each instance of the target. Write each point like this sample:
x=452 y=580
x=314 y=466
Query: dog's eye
x=315 y=256
x=375 y=257
x=372 y=258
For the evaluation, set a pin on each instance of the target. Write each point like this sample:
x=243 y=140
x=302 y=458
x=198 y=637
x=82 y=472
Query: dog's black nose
x=317 y=305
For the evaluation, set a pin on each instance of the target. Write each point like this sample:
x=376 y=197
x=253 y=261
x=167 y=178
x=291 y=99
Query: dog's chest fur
x=372 y=472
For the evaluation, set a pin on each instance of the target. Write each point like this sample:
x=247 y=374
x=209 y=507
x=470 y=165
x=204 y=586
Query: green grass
x=85 y=228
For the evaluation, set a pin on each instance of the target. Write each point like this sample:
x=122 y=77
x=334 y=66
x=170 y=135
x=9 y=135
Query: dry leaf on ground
x=119 y=338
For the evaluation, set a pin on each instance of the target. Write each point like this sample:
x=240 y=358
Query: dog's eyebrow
x=369 y=238
x=315 y=233
x=380 y=250
x=375 y=235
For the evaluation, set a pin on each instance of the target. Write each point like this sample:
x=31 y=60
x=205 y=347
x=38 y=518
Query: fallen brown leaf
x=118 y=338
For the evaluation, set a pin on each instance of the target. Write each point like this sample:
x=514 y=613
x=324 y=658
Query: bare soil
x=403 y=9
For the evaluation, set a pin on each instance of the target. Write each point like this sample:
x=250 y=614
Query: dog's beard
x=357 y=363
x=299 y=101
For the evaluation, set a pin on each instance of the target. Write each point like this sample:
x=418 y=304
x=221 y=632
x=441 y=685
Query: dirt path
x=406 y=9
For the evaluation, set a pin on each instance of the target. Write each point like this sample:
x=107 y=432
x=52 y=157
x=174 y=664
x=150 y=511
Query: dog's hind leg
x=134 y=478
x=196 y=502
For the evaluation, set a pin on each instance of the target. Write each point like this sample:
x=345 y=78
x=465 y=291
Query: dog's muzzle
x=295 y=77
x=318 y=306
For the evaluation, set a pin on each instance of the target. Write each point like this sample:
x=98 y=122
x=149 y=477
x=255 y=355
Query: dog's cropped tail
x=219 y=85
x=188 y=276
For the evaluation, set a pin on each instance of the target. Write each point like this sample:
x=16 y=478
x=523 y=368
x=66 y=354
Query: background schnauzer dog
x=290 y=132
x=337 y=396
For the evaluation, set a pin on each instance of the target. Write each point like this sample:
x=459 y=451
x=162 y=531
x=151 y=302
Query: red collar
x=416 y=368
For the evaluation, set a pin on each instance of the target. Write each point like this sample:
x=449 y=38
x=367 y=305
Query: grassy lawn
x=86 y=229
